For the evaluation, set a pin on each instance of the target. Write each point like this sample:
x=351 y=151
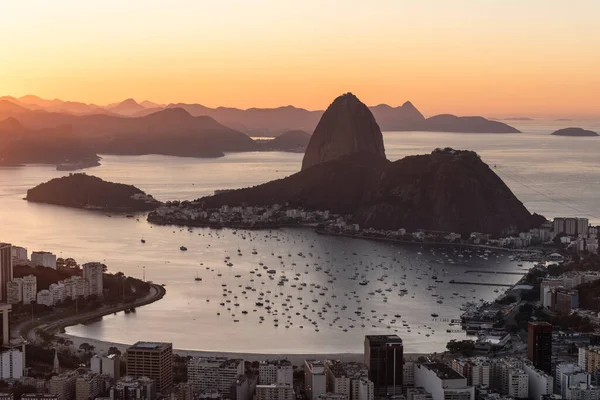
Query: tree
x=114 y=350
x=86 y=347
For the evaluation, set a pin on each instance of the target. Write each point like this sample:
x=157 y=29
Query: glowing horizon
x=466 y=57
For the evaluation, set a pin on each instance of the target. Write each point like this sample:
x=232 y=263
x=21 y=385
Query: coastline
x=29 y=329
x=295 y=358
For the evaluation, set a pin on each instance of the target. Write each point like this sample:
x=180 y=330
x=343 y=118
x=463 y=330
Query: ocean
x=320 y=306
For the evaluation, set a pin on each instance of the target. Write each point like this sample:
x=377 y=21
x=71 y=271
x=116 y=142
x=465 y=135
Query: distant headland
x=92 y=193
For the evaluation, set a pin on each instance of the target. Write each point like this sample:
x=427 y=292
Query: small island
x=574 y=132
x=90 y=192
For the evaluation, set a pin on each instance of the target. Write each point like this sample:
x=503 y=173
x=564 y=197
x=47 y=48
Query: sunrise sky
x=493 y=58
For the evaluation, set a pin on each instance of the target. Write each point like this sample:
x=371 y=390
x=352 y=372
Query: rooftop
x=382 y=339
x=150 y=346
x=443 y=371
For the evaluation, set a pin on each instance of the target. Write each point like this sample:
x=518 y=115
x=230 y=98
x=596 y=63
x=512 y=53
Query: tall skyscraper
x=539 y=345
x=384 y=358
x=4 y=328
x=92 y=272
x=6 y=269
x=152 y=360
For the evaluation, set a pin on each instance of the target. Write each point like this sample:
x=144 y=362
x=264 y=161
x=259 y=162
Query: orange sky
x=494 y=58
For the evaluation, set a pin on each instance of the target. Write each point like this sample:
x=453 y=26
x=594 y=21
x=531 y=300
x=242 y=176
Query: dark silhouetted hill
x=575 y=132
x=86 y=191
x=346 y=127
x=291 y=141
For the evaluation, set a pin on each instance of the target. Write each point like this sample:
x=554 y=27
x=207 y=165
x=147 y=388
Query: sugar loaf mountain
x=345 y=171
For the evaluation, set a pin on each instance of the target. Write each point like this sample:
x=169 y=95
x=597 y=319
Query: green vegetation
x=464 y=347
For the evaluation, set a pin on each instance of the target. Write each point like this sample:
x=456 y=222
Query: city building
x=44 y=297
x=518 y=384
x=365 y=389
x=153 y=360
x=12 y=362
x=129 y=388
x=546 y=287
x=340 y=376
x=63 y=385
x=384 y=356
x=418 y=393
x=582 y=392
x=29 y=289
x=443 y=382
x=19 y=254
x=87 y=386
x=4 y=327
x=568 y=375
x=215 y=374
x=243 y=388
x=540 y=383
x=332 y=396
x=6 y=269
x=408 y=374
x=92 y=273
x=14 y=291
x=314 y=379
x=6 y=396
x=181 y=391
x=589 y=358
x=106 y=364
x=39 y=396
x=566 y=300
x=57 y=290
x=539 y=345
x=277 y=371
x=476 y=370
x=44 y=259
x=275 y=392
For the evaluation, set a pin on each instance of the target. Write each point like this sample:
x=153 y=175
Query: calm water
x=551 y=175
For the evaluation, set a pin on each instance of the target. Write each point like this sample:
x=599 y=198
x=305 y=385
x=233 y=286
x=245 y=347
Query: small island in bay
x=576 y=132
x=90 y=192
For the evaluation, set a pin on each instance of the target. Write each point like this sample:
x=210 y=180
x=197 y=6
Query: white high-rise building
x=279 y=372
x=19 y=253
x=568 y=375
x=443 y=382
x=12 y=362
x=92 y=273
x=106 y=364
x=342 y=377
x=275 y=392
x=58 y=292
x=540 y=383
x=518 y=384
x=45 y=297
x=29 y=289
x=314 y=379
x=44 y=259
x=214 y=373
x=366 y=390
x=14 y=291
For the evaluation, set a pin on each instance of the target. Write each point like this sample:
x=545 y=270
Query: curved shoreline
x=29 y=330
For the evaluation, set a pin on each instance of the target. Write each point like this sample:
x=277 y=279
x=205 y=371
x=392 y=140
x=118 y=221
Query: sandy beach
x=296 y=359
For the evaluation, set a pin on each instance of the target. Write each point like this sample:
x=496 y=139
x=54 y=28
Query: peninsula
x=345 y=173
x=90 y=192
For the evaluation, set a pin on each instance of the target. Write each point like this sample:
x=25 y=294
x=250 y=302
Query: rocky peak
x=346 y=127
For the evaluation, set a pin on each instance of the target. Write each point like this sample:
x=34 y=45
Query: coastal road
x=56 y=321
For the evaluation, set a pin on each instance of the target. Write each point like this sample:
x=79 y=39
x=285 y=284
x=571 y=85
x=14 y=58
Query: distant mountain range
x=36 y=130
x=262 y=121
